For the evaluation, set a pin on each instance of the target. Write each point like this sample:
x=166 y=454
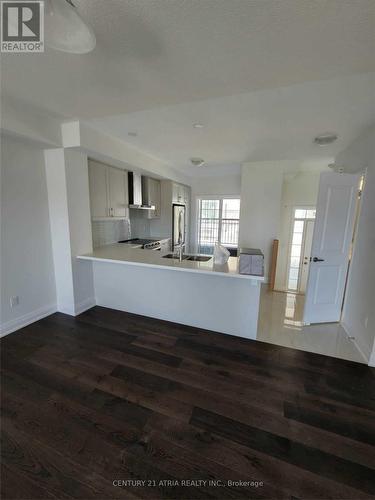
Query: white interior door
x=333 y=232
x=306 y=254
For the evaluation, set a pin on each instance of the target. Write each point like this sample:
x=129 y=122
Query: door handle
x=316 y=259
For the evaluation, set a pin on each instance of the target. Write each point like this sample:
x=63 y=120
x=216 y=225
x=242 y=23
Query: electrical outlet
x=14 y=301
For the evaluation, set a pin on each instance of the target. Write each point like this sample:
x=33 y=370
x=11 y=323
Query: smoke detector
x=325 y=139
x=197 y=162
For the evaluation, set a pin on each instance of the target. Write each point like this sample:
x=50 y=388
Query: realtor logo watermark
x=22 y=26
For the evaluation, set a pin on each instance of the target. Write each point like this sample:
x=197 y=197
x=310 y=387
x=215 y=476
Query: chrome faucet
x=180 y=252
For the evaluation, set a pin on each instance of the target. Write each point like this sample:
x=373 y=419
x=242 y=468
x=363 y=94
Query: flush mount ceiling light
x=198 y=125
x=325 y=139
x=65 y=28
x=197 y=162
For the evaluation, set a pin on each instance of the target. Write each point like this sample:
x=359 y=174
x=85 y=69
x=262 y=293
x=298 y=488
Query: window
x=218 y=220
x=300 y=217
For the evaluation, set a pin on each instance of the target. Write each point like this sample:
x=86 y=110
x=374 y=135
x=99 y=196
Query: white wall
x=26 y=251
x=220 y=185
x=299 y=189
x=359 y=311
x=261 y=188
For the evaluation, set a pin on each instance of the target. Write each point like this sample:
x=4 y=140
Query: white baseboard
x=66 y=310
x=75 y=310
x=85 y=305
x=352 y=336
x=18 y=323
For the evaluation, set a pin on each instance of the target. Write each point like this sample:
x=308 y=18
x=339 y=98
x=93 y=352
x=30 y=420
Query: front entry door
x=333 y=232
x=307 y=242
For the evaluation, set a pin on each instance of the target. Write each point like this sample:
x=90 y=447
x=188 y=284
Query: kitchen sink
x=195 y=258
x=199 y=258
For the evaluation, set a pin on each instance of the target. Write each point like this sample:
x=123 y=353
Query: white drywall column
x=59 y=221
x=261 y=188
x=68 y=199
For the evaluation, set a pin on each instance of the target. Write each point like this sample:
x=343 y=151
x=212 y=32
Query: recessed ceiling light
x=197 y=162
x=325 y=139
x=198 y=125
x=132 y=134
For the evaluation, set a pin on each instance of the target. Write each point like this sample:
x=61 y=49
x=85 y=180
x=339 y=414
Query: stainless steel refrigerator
x=178 y=225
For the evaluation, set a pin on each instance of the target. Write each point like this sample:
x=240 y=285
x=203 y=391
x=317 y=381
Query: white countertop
x=122 y=253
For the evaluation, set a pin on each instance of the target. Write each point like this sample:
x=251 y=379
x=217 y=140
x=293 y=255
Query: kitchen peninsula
x=199 y=294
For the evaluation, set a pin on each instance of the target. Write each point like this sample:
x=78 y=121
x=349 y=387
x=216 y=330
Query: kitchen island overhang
x=198 y=294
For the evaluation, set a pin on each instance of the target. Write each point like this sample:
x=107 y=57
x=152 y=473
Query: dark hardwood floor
x=91 y=402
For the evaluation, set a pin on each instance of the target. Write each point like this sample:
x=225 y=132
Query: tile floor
x=280 y=323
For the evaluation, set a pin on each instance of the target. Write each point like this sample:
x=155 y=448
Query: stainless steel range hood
x=136 y=193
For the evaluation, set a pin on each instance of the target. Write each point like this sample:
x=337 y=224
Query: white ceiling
x=153 y=53
x=277 y=124
x=156 y=59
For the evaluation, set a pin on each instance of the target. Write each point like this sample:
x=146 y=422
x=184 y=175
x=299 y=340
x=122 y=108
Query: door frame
x=352 y=244
x=302 y=263
x=290 y=239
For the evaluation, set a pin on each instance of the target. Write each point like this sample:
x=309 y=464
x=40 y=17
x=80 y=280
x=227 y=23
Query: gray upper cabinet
x=180 y=193
x=187 y=195
x=108 y=191
x=152 y=196
x=177 y=193
x=98 y=189
x=117 y=192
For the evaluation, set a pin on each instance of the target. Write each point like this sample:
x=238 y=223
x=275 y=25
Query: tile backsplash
x=107 y=231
